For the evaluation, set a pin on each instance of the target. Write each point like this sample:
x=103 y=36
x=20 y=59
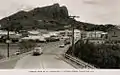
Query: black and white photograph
x=59 y=34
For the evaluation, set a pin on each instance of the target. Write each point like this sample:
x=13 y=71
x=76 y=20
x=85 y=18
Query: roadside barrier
x=79 y=62
x=76 y=60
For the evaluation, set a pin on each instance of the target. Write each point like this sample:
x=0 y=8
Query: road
x=50 y=59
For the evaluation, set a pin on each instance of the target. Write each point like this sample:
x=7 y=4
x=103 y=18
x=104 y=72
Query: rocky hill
x=36 y=18
x=57 y=16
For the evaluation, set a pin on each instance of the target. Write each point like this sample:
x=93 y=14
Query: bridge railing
x=79 y=62
x=76 y=60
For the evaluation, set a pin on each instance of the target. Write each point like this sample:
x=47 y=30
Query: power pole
x=73 y=40
x=8 y=43
x=82 y=33
x=8 y=40
x=95 y=32
x=73 y=23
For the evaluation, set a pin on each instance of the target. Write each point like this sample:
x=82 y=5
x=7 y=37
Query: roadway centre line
x=41 y=65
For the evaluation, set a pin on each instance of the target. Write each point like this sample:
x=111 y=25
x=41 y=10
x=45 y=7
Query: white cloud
x=99 y=12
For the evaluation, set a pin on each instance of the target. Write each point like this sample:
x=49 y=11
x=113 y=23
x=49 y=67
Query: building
x=114 y=35
x=96 y=34
x=3 y=33
x=96 y=37
x=46 y=35
x=54 y=33
x=24 y=33
x=12 y=36
x=95 y=40
x=77 y=33
x=62 y=33
x=65 y=33
x=34 y=33
x=43 y=31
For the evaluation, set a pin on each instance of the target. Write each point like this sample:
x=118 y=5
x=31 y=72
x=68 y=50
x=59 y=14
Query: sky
x=91 y=11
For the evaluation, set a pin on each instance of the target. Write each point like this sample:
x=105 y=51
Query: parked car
x=17 y=53
x=62 y=46
x=37 y=51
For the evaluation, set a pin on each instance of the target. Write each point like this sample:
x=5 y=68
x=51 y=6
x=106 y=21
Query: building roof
x=33 y=32
x=46 y=35
x=53 y=34
x=76 y=30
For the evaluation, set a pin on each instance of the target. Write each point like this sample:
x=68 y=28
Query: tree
x=26 y=46
x=102 y=56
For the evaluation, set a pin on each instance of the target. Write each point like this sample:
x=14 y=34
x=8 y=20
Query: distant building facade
x=68 y=33
x=96 y=37
x=96 y=34
x=114 y=35
x=34 y=33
